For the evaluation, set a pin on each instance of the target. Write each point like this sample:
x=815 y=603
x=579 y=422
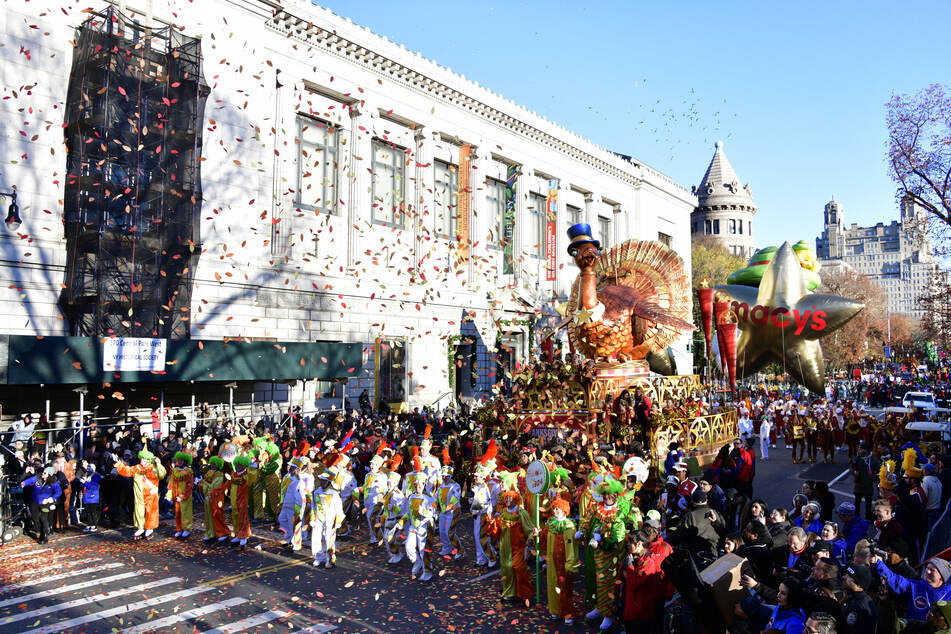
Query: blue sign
x=888 y=352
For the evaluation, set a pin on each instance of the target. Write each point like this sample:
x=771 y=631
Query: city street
x=106 y=583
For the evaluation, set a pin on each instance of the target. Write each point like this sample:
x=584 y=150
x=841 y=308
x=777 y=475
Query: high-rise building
x=897 y=256
x=724 y=209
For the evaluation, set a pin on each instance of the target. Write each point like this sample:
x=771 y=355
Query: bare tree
x=919 y=153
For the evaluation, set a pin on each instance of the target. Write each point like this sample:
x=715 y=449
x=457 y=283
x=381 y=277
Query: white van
x=922 y=400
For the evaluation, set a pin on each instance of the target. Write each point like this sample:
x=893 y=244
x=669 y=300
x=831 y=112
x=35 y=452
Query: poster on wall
x=133 y=354
x=508 y=221
x=551 y=217
x=462 y=206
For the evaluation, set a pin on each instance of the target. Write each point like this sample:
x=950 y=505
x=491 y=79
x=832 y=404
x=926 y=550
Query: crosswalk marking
x=251 y=621
x=22 y=616
x=70 y=588
x=122 y=609
x=25 y=553
x=184 y=616
x=33 y=572
x=318 y=628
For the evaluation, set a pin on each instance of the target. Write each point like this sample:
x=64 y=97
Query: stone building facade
x=897 y=256
x=351 y=190
x=725 y=210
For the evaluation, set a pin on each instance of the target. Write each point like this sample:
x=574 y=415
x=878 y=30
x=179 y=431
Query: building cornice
x=297 y=23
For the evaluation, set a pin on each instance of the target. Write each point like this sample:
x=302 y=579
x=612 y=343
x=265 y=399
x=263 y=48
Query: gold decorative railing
x=700 y=434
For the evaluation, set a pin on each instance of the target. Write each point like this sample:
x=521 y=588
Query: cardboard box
x=723 y=579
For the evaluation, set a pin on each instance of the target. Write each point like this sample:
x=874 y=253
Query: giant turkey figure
x=628 y=302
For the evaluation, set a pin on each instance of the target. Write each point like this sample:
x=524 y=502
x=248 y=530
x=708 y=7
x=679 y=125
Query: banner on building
x=133 y=354
x=551 y=217
x=508 y=221
x=462 y=207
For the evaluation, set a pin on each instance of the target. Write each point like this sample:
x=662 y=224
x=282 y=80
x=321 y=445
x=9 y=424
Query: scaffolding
x=134 y=114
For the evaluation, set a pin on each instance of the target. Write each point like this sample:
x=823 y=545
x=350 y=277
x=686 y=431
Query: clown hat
x=579 y=234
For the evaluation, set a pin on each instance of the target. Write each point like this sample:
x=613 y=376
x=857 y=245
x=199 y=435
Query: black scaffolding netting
x=134 y=115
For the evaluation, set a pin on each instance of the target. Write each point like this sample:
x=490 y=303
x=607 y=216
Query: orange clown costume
x=145 y=480
x=180 y=486
x=240 y=499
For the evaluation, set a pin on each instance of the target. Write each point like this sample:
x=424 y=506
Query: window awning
x=30 y=360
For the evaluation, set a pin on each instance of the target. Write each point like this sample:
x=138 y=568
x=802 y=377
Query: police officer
x=859 y=611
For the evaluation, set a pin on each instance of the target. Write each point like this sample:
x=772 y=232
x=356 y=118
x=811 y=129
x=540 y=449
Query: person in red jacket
x=643 y=585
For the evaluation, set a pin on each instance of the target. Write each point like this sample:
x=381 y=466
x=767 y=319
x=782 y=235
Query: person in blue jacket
x=934 y=585
x=809 y=520
x=854 y=528
x=787 y=616
x=46 y=491
x=90 y=481
x=838 y=545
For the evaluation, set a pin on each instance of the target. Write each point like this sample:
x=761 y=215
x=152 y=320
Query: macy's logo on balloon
x=780 y=317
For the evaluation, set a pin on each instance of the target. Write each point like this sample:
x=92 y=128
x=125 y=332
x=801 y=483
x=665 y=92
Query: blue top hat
x=580 y=234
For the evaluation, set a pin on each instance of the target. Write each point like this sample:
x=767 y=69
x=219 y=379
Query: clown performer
x=270 y=466
x=289 y=499
x=419 y=519
x=603 y=530
x=180 y=485
x=394 y=507
x=327 y=518
x=513 y=528
x=430 y=463
x=447 y=497
x=240 y=499
x=345 y=483
x=635 y=471
x=212 y=487
x=409 y=482
x=373 y=489
x=482 y=504
x=561 y=555
x=303 y=509
x=145 y=480
x=255 y=480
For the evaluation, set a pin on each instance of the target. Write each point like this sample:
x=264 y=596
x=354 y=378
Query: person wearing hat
x=602 y=530
x=513 y=529
x=372 y=492
x=448 y=498
x=270 y=468
x=45 y=491
x=212 y=486
x=240 y=500
x=809 y=520
x=90 y=484
x=419 y=519
x=932 y=488
x=290 y=498
x=859 y=612
x=854 y=528
x=181 y=482
x=145 y=488
x=561 y=557
x=394 y=507
x=920 y=594
x=484 y=497
x=326 y=519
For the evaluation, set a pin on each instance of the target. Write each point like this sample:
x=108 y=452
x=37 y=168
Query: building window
x=316 y=165
x=739 y=226
x=732 y=226
x=716 y=227
x=749 y=227
x=604 y=231
x=387 y=186
x=495 y=208
x=707 y=227
x=535 y=244
x=446 y=192
x=574 y=215
x=665 y=239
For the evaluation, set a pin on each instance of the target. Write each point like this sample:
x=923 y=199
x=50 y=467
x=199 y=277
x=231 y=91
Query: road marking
x=251 y=621
x=22 y=616
x=122 y=609
x=63 y=539
x=70 y=588
x=24 y=554
x=848 y=495
x=184 y=616
x=241 y=576
x=344 y=617
x=839 y=477
x=485 y=576
x=317 y=628
x=59 y=566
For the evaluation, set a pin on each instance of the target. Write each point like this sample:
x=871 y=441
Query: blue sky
x=796 y=91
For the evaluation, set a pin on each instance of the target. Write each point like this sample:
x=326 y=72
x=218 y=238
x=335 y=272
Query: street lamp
x=12 y=220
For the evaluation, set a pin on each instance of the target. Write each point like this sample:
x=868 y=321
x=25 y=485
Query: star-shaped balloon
x=781 y=321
